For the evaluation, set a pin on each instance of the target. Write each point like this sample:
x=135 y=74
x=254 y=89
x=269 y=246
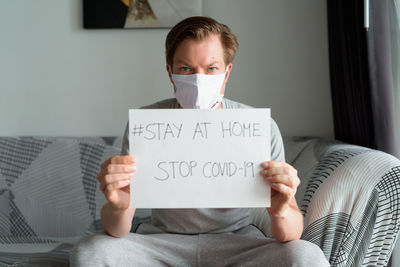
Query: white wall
x=58 y=79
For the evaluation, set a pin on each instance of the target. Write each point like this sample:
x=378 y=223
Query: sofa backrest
x=48 y=186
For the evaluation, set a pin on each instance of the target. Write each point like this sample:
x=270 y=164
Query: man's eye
x=212 y=68
x=185 y=69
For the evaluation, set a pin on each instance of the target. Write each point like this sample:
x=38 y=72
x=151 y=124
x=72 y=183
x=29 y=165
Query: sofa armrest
x=351 y=204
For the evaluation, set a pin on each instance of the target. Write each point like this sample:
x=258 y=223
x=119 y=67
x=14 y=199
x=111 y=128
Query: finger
x=275 y=171
x=285 y=191
x=291 y=181
x=276 y=168
x=100 y=176
x=115 y=169
x=126 y=159
x=120 y=168
x=112 y=178
x=272 y=163
x=115 y=186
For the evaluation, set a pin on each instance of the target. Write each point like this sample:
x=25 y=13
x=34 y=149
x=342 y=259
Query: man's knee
x=94 y=250
x=304 y=253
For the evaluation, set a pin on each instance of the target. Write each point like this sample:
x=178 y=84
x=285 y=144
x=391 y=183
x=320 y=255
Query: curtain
x=350 y=87
x=363 y=73
x=394 y=16
x=382 y=77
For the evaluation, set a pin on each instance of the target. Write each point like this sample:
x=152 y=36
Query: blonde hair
x=200 y=28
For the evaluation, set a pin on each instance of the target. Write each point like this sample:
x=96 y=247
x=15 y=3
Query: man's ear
x=169 y=70
x=228 y=72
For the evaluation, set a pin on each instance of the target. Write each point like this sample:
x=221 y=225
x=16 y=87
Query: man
x=199 y=51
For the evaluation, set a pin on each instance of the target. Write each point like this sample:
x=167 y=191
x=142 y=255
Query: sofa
x=50 y=198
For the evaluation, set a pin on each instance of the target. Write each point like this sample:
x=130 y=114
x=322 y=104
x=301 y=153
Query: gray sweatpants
x=245 y=247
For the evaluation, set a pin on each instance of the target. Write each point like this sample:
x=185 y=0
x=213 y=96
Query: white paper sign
x=188 y=158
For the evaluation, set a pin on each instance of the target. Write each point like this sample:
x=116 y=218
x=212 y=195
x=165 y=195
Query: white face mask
x=199 y=91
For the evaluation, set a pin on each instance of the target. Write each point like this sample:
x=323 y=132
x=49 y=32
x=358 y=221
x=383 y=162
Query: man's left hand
x=284 y=182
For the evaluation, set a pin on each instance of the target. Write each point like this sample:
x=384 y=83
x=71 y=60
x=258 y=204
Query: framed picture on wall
x=124 y=14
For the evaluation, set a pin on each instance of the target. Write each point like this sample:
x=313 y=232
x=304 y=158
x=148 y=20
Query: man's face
x=201 y=57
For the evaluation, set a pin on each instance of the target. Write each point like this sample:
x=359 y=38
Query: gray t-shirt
x=194 y=221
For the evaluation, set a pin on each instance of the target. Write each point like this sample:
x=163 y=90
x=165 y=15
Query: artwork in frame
x=101 y=14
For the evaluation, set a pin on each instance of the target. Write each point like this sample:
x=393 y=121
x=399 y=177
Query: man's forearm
x=116 y=223
x=288 y=227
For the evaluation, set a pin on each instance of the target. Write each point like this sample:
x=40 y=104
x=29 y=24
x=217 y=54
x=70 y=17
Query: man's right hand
x=114 y=177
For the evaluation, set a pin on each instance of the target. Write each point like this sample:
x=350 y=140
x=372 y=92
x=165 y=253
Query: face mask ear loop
x=220 y=101
x=172 y=73
x=226 y=70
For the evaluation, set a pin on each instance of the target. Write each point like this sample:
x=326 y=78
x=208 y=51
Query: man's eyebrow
x=186 y=63
x=183 y=62
x=215 y=62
